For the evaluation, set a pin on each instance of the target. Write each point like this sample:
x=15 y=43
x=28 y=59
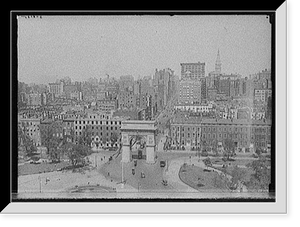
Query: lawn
x=232 y=162
x=28 y=168
x=202 y=180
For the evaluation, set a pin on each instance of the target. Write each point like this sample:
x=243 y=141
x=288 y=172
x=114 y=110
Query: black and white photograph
x=145 y=107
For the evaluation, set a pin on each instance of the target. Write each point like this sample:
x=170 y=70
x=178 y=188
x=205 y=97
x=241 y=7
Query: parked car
x=143 y=175
x=162 y=163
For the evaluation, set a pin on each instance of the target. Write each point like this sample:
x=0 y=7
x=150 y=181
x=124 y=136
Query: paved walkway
x=172 y=175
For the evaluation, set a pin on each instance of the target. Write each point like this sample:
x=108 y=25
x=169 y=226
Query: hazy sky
x=91 y=46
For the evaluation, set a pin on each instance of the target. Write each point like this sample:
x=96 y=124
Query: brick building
x=127 y=100
x=31 y=127
x=195 y=131
x=102 y=131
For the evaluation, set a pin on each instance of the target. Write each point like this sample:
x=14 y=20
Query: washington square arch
x=142 y=135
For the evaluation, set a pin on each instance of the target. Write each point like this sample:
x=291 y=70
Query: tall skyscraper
x=193 y=71
x=218 y=63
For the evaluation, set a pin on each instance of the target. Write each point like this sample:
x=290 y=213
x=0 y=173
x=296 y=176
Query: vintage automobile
x=162 y=163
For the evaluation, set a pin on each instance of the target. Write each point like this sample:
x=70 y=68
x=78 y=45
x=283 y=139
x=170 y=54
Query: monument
x=135 y=130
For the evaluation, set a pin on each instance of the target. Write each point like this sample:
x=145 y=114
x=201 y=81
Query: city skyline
x=54 y=47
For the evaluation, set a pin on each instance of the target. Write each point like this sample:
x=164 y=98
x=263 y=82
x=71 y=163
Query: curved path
x=172 y=175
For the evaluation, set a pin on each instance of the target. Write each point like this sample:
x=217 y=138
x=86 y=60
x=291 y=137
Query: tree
x=207 y=162
x=238 y=175
x=86 y=136
x=258 y=151
x=51 y=140
x=228 y=149
x=214 y=144
x=54 y=149
x=25 y=142
x=262 y=175
x=114 y=137
x=219 y=181
x=76 y=153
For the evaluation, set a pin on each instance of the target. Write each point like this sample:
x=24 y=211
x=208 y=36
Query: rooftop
x=138 y=125
x=185 y=119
